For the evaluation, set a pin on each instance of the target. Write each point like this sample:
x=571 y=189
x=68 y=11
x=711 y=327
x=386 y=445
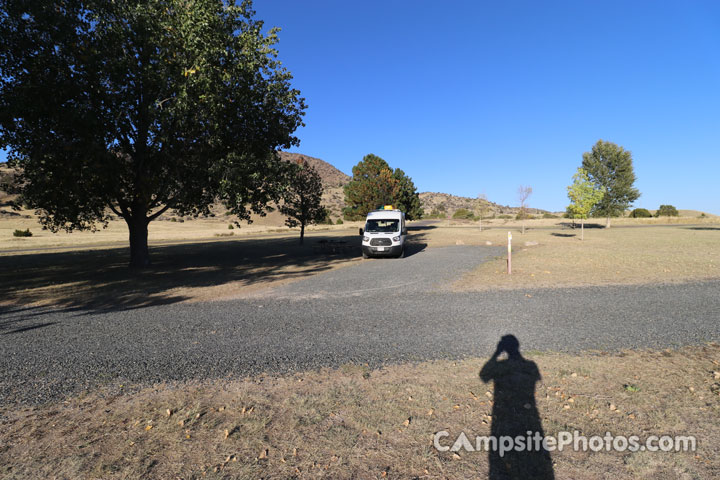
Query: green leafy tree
x=640 y=213
x=301 y=200
x=584 y=195
x=375 y=184
x=140 y=107
x=667 y=211
x=610 y=166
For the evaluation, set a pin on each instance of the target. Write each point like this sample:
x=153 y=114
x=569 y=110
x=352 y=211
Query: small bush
x=505 y=217
x=702 y=215
x=549 y=215
x=667 y=211
x=231 y=227
x=22 y=233
x=435 y=214
x=640 y=213
x=339 y=221
x=173 y=219
x=463 y=213
x=523 y=216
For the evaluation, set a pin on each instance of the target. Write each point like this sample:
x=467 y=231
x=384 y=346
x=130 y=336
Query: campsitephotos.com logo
x=536 y=442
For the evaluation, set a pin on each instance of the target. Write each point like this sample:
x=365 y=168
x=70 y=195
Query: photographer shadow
x=515 y=414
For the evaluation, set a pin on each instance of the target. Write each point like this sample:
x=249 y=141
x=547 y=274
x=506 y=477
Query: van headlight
x=396 y=239
x=366 y=239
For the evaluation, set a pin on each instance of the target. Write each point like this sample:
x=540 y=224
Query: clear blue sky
x=470 y=97
x=480 y=97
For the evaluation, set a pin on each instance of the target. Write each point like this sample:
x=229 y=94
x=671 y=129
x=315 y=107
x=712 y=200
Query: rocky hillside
x=449 y=204
x=331 y=176
x=334 y=197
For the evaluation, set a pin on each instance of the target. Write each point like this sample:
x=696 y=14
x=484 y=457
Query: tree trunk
x=607 y=224
x=139 y=255
x=302 y=233
x=582 y=229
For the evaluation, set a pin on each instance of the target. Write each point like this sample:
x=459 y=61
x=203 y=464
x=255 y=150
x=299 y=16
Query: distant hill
x=334 y=197
x=449 y=204
x=333 y=181
x=331 y=176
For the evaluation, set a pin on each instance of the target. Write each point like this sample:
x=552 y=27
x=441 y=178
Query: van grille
x=380 y=242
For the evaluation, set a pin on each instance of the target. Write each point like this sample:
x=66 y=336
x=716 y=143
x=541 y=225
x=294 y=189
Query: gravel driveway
x=379 y=311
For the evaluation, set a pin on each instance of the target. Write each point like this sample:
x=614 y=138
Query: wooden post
x=509 y=260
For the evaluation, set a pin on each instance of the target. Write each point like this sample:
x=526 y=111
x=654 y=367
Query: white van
x=384 y=233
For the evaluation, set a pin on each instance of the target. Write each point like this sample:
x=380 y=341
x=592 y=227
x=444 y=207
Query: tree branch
x=115 y=210
x=159 y=212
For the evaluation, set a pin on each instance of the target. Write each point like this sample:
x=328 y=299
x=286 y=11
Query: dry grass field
x=217 y=269
x=193 y=260
x=204 y=260
x=647 y=254
x=354 y=422
x=550 y=254
x=359 y=423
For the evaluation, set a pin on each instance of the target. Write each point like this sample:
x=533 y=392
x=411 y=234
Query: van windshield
x=382 y=226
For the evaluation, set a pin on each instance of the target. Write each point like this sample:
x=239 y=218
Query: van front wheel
x=402 y=253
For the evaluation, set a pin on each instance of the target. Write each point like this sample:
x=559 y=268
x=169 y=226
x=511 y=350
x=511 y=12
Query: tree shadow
x=576 y=225
x=703 y=228
x=564 y=235
x=515 y=414
x=420 y=228
x=100 y=280
x=29 y=327
x=414 y=247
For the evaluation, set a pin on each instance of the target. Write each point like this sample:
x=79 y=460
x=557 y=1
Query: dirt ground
x=354 y=422
x=217 y=269
x=555 y=257
x=204 y=260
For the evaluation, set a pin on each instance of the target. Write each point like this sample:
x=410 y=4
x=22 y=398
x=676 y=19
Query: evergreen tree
x=610 y=166
x=375 y=184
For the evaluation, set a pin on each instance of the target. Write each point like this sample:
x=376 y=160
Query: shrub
x=640 y=213
x=173 y=219
x=231 y=227
x=339 y=221
x=702 y=215
x=523 y=216
x=505 y=217
x=463 y=213
x=435 y=214
x=22 y=233
x=667 y=211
